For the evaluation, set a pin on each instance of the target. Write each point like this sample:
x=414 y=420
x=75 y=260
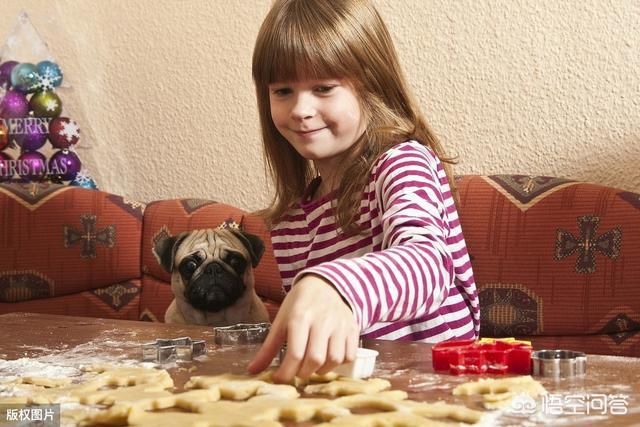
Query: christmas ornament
x=14 y=105
x=32 y=166
x=24 y=78
x=64 y=165
x=46 y=104
x=63 y=132
x=49 y=75
x=30 y=112
x=4 y=135
x=84 y=180
x=5 y=73
x=31 y=138
x=5 y=169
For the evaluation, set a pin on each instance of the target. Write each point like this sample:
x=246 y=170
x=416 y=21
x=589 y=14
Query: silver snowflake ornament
x=70 y=130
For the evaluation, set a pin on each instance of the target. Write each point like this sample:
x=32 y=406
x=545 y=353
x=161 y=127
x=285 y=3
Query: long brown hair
x=335 y=39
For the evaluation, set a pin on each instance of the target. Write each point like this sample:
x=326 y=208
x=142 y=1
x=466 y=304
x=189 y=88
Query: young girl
x=363 y=224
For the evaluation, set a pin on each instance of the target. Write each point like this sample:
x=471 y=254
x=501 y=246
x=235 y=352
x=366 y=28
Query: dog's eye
x=238 y=263
x=187 y=267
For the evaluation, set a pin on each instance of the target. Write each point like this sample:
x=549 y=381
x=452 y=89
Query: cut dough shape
x=344 y=386
x=124 y=394
x=384 y=401
x=395 y=401
x=385 y=419
x=105 y=375
x=120 y=412
x=440 y=410
x=129 y=375
x=240 y=387
x=254 y=400
x=18 y=393
x=497 y=393
x=46 y=382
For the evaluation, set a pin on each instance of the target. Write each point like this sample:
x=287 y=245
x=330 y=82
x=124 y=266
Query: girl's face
x=321 y=119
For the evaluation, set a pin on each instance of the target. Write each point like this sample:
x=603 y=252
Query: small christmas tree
x=32 y=114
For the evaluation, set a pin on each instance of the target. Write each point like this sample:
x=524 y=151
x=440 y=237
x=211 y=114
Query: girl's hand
x=319 y=328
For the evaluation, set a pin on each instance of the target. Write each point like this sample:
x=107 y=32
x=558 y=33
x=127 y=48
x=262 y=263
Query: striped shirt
x=408 y=277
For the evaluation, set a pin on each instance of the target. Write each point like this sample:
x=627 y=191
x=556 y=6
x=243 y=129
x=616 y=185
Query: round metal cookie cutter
x=559 y=363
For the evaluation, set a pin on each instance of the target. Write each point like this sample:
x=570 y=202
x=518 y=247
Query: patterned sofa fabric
x=118 y=301
x=58 y=241
x=555 y=258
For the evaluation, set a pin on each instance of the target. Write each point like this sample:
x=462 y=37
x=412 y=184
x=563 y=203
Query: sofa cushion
x=553 y=256
x=118 y=301
x=155 y=298
x=59 y=240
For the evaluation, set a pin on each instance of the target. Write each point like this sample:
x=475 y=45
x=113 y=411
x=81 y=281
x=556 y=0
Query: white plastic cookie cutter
x=361 y=367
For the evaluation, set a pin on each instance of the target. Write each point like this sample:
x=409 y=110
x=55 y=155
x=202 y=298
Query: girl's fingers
x=316 y=353
x=275 y=338
x=353 y=339
x=297 y=338
x=335 y=352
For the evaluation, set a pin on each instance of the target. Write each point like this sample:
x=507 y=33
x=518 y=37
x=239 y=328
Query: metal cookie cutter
x=559 y=363
x=162 y=351
x=242 y=333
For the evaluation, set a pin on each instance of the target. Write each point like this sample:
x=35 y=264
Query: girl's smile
x=310 y=133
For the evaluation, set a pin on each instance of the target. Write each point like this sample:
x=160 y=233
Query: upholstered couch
x=556 y=261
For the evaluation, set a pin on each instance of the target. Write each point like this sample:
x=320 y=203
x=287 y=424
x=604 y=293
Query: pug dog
x=212 y=276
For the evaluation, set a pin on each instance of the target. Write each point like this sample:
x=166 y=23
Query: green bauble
x=46 y=104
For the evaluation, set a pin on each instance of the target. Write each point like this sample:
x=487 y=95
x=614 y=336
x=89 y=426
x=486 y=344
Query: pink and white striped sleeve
x=412 y=274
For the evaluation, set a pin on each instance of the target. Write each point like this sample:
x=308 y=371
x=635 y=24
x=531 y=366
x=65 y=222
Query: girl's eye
x=324 y=89
x=281 y=91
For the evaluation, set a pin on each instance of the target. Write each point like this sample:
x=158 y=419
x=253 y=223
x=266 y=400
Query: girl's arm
x=413 y=273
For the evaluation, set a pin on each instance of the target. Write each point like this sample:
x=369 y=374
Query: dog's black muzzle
x=214 y=289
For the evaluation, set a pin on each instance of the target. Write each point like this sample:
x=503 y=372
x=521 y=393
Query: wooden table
x=81 y=340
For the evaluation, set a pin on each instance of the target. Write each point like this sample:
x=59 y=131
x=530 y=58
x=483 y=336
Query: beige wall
x=529 y=86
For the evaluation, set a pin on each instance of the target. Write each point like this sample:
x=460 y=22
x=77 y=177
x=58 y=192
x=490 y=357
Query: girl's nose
x=303 y=108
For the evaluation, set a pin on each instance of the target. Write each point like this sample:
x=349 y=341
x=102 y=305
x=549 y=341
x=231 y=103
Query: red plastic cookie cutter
x=488 y=355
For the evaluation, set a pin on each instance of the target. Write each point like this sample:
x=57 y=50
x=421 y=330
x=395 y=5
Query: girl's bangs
x=295 y=52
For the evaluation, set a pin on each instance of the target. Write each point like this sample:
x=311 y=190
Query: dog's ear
x=254 y=245
x=165 y=250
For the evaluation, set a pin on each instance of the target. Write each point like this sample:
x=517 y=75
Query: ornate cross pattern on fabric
x=525 y=191
x=118 y=295
x=588 y=244
x=89 y=236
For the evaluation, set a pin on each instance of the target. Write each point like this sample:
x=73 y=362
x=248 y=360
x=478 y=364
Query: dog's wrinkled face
x=208 y=266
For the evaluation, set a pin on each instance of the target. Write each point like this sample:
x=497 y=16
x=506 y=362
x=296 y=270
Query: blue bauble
x=50 y=75
x=24 y=78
